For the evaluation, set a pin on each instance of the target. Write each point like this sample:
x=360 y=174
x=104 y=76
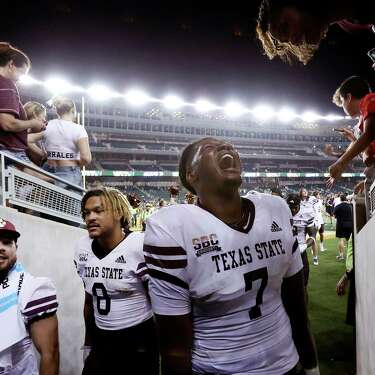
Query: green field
x=333 y=337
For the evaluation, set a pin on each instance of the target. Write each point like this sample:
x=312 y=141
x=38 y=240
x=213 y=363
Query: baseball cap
x=8 y=227
x=293 y=199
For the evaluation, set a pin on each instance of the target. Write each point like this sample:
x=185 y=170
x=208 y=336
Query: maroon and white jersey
x=230 y=280
x=23 y=300
x=115 y=281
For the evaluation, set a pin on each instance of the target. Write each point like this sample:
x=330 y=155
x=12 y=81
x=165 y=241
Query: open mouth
x=227 y=161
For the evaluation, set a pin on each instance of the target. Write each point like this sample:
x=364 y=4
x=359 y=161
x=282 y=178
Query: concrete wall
x=365 y=298
x=46 y=249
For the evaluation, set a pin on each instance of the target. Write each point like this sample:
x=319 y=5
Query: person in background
x=355 y=97
x=344 y=226
x=27 y=314
x=319 y=219
x=66 y=143
x=301 y=222
x=36 y=152
x=120 y=332
x=294 y=29
x=14 y=125
x=189 y=198
x=308 y=209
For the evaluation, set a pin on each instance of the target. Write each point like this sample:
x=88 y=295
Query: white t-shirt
x=318 y=207
x=61 y=139
x=115 y=282
x=230 y=280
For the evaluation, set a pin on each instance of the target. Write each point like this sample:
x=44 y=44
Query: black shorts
x=343 y=233
x=127 y=351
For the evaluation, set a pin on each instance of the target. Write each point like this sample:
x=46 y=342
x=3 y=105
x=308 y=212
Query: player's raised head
x=210 y=164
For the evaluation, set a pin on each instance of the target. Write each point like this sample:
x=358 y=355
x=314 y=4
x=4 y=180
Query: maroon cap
x=7 y=226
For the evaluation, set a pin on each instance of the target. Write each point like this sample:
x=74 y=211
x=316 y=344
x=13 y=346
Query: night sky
x=187 y=49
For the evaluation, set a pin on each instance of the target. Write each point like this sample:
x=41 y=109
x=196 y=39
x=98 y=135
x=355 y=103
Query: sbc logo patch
x=206 y=244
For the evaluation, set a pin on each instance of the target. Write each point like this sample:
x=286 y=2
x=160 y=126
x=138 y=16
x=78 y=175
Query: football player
x=28 y=308
x=226 y=279
x=301 y=221
x=307 y=204
x=120 y=332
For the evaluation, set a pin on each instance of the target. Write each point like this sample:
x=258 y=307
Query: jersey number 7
x=249 y=277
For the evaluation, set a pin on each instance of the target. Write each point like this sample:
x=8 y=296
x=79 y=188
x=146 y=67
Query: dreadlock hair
x=116 y=202
x=185 y=162
x=285 y=50
x=354 y=85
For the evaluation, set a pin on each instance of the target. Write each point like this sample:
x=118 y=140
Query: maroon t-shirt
x=10 y=103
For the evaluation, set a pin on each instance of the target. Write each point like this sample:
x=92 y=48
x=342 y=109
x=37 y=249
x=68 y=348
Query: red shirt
x=367 y=108
x=10 y=103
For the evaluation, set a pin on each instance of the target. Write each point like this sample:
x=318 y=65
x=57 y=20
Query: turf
x=334 y=338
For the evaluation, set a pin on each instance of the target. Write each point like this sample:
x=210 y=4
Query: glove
x=312 y=371
x=86 y=351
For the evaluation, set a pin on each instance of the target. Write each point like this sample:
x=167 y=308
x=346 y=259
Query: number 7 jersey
x=229 y=280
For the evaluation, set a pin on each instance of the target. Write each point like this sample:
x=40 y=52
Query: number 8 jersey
x=115 y=281
x=229 y=280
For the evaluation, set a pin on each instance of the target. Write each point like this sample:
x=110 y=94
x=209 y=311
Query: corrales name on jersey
x=237 y=258
x=104 y=272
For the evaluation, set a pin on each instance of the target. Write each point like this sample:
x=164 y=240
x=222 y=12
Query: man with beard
x=119 y=323
x=28 y=308
x=226 y=279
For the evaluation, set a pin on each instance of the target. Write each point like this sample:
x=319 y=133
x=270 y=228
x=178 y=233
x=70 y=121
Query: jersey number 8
x=103 y=302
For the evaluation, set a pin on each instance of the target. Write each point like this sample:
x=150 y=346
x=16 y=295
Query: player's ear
x=191 y=175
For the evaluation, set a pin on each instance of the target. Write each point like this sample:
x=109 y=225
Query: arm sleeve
x=9 y=100
x=166 y=261
x=40 y=299
x=82 y=133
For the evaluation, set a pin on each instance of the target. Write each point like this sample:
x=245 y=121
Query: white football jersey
x=115 y=282
x=230 y=280
x=300 y=222
x=318 y=207
x=27 y=299
x=307 y=209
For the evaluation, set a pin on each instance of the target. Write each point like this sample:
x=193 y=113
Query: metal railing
x=22 y=189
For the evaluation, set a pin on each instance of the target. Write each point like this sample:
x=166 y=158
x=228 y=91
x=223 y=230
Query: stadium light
x=234 y=109
x=310 y=116
x=100 y=92
x=137 y=97
x=28 y=80
x=58 y=86
x=263 y=112
x=203 y=105
x=173 y=102
x=286 y=115
x=333 y=117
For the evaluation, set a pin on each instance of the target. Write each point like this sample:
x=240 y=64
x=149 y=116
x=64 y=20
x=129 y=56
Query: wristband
x=86 y=351
x=312 y=371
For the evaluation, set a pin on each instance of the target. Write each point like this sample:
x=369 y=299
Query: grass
x=334 y=338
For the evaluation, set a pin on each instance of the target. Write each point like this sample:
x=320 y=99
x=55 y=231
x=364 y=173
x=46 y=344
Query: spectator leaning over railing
x=355 y=97
x=14 y=124
x=66 y=143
